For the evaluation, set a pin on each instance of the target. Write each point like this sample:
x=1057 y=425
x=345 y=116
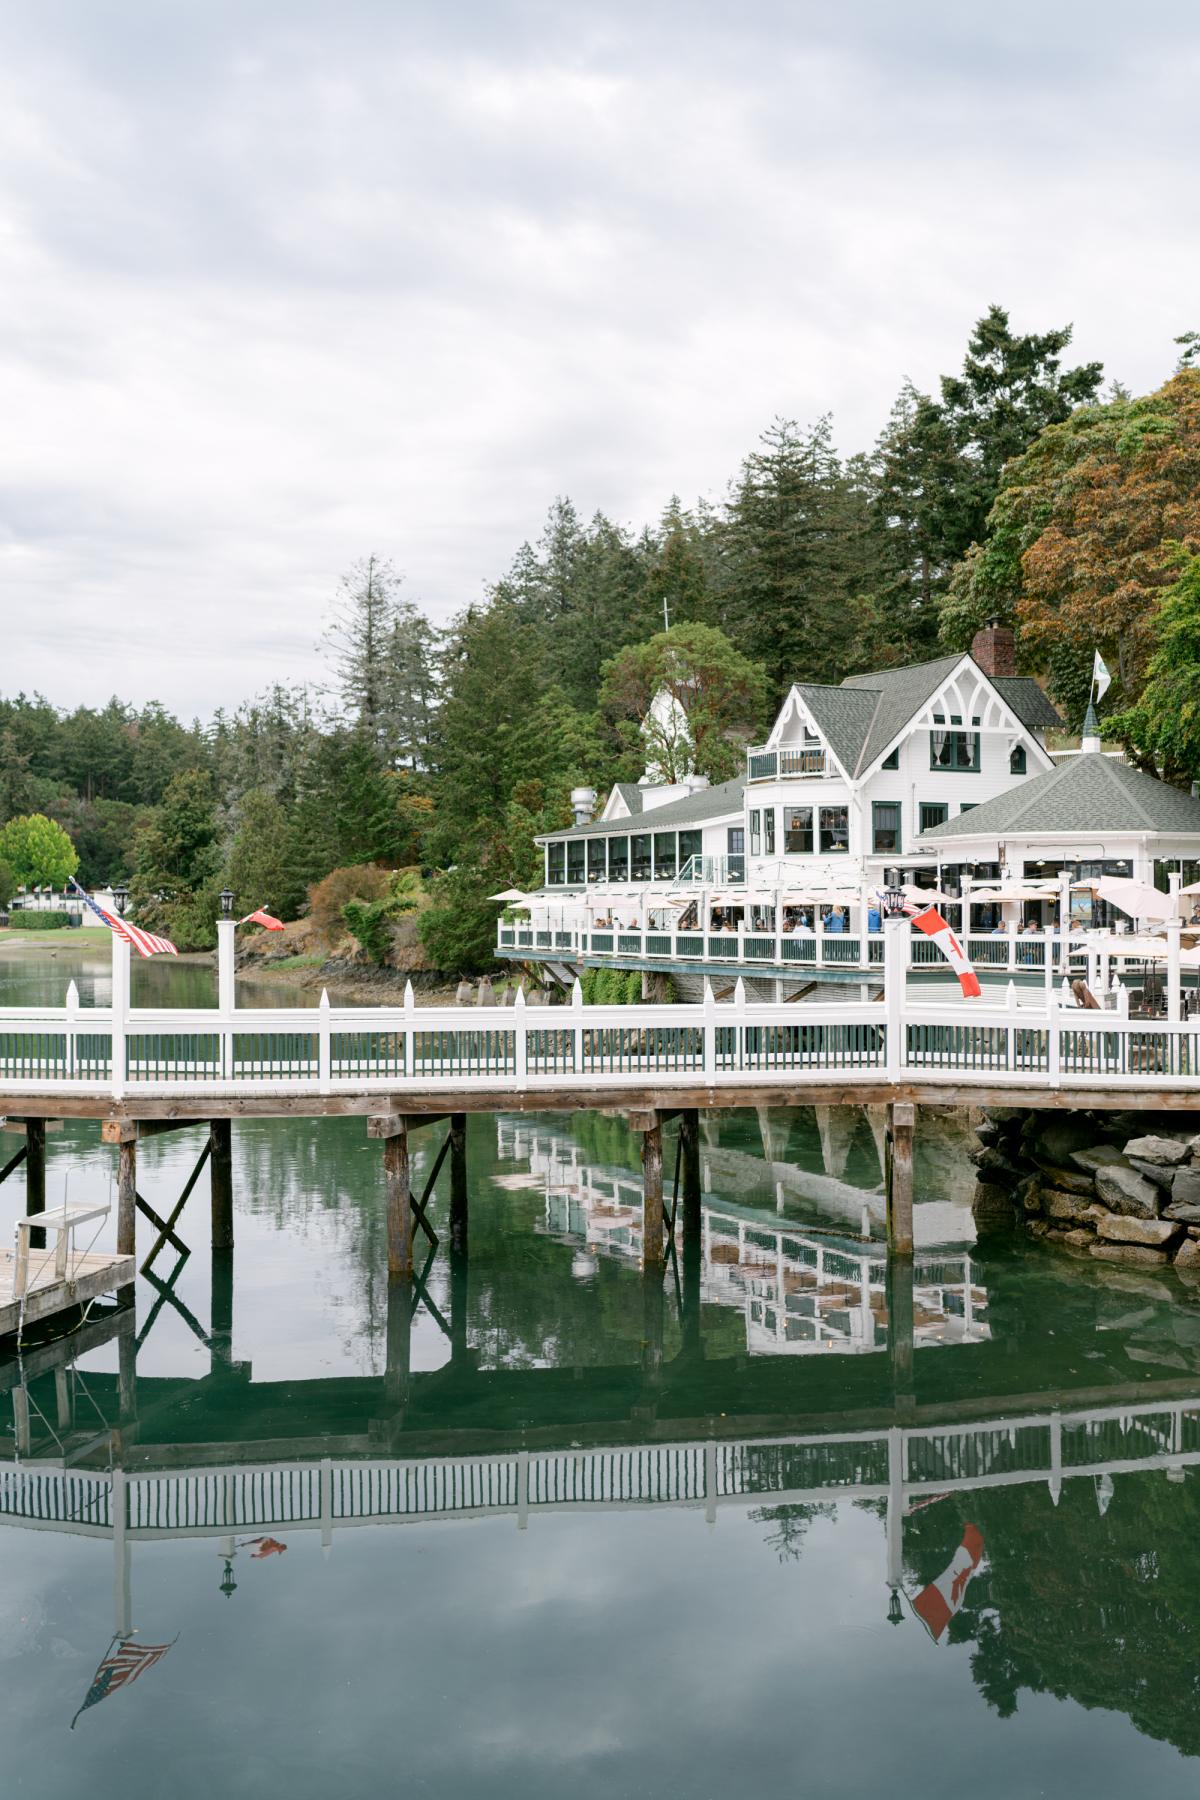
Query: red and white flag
x=934 y=926
x=263 y=917
x=937 y=1604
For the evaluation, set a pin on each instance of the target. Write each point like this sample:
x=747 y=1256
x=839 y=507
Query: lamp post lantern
x=120 y=894
x=227 y=899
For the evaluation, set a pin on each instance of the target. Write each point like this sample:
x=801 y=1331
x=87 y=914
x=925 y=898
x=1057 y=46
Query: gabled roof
x=630 y=793
x=1031 y=705
x=899 y=693
x=693 y=809
x=862 y=717
x=1089 y=794
x=843 y=718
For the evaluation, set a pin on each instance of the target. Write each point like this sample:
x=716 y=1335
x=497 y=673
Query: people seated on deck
x=1195 y=918
x=874 y=922
x=835 y=919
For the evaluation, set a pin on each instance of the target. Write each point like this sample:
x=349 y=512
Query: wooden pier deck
x=96 y=1272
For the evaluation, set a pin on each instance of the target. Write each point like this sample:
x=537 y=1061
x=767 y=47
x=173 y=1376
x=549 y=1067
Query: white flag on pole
x=1101 y=679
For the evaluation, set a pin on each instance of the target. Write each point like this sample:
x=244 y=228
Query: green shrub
x=633 y=988
x=8 y=882
x=370 y=921
x=587 y=983
x=39 y=921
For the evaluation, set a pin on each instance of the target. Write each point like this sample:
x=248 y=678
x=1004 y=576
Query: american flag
x=144 y=942
x=124 y=1662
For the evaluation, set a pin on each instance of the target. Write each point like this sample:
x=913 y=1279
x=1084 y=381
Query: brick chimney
x=995 y=649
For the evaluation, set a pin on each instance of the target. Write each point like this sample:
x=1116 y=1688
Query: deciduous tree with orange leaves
x=1085 y=536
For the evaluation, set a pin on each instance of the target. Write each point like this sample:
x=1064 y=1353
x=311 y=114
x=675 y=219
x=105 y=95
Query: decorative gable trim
x=966 y=694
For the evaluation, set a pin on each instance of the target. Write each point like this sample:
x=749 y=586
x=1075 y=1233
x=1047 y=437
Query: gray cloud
x=282 y=284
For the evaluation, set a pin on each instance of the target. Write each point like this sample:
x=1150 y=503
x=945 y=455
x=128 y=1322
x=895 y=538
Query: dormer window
x=1017 y=760
x=951 y=748
x=892 y=760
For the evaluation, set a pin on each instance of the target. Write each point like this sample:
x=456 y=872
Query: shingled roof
x=859 y=719
x=693 y=809
x=1091 y=793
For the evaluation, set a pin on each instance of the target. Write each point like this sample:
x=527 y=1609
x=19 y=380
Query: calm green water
x=645 y=1545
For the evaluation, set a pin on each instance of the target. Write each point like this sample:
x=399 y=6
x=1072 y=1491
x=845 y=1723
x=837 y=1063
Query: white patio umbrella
x=1013 y=890
x=1137 y=898
x=511 y=897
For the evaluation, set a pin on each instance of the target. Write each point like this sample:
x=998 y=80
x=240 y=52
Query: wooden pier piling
x=220 y=1167
x=393 y=1129
x=653 y=1250
x=35 y=1176
x=459 y=1222
x=127 y=1197
x=901 y=1122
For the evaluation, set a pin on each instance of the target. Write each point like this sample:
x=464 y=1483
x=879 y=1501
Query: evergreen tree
x=788 y=562
x=262 y=868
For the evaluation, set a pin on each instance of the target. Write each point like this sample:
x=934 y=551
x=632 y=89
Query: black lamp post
x=895 y=1611
x=228 y=1584
x=893 y=896
x=120 y=894
x=227 y=898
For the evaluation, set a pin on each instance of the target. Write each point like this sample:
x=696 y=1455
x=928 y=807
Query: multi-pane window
x=769 y=831
x=798 y=830
x=640 y=849
x=835 y=829
x=953 y=749
x=596 y=859
x=575 y=862
x=933 y=812
x=664 y=855
x=892 y=759
x=556 y=865
x=756 y=833
x=1017 y=760
x=691 y=843
x=885 y=825
x=735 y=842
x=618 y=859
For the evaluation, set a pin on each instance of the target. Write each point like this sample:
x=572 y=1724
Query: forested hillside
x=1017 y=490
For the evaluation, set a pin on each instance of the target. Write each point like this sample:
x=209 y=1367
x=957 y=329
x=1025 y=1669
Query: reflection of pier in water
x=798 y=1293
x=102 y=1478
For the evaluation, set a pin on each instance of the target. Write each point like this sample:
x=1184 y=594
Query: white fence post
x=577 y=1026
x=895 y=973
x=520 y=1039
x=120 y=1014
x=739 y=1005
x=1010 y=1001
x=72 y=1022
x=709 y=1029
x=1053 y=1043
x=324 y=1045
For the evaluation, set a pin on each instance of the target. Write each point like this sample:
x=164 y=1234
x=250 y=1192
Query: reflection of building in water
x=798 y=1293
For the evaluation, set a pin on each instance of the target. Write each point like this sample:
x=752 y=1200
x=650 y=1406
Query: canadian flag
x=934 y=926
x=937 y=1604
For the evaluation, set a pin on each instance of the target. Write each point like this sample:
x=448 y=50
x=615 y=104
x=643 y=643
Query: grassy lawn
x=86 y=935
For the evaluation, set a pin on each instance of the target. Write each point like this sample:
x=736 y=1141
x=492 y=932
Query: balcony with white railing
x=788 y=763
x=780 y=952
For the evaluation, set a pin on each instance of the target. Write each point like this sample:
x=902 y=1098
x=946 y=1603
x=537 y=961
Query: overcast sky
x=285 y=282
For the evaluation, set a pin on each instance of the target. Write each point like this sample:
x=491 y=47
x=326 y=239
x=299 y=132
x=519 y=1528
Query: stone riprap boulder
x=1121 y=1187
x=1123 y=1190
x=1158 y=1150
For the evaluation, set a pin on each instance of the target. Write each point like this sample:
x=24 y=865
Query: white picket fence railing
x=119 y=1051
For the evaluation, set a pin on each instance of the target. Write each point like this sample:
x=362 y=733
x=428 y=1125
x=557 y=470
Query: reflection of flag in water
x=267 y=1546
x=934 y=926
x=123 y=1664
x=937 y=1604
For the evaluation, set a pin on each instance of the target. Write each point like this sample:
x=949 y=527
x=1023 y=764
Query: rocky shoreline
x=1121 y=1187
